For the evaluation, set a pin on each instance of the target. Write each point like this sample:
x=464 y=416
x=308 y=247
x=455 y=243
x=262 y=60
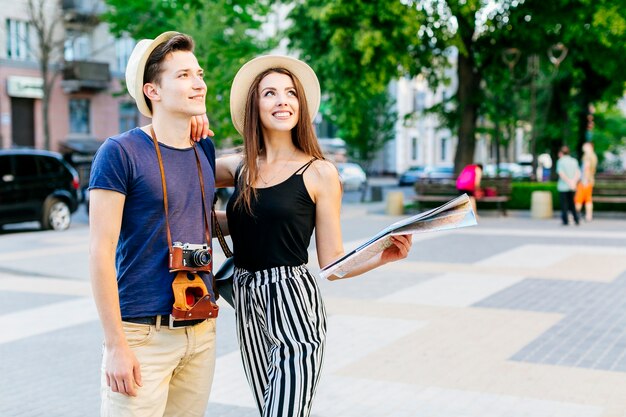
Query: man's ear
x=151 y=91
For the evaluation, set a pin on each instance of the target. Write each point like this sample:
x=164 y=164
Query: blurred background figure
x=468 y=182
x=544 y=165
x=584 y=190
x=569 y=174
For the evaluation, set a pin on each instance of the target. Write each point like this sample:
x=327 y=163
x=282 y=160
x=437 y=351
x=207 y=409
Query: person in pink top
x=468 y=182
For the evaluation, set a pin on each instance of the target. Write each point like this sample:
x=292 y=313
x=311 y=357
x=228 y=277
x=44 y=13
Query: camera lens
x=200 y=257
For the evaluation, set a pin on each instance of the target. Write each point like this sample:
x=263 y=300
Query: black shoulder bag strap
x=209 y=150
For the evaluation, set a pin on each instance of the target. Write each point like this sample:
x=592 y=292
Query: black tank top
x=279 y=231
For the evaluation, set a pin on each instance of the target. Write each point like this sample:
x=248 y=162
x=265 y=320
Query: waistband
x=163 y=320
x=268 y=276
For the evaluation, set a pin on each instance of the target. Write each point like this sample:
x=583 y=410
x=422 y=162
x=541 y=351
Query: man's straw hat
x=137 y=66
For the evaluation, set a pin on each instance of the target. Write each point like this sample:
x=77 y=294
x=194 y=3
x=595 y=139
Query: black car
x=37 y=185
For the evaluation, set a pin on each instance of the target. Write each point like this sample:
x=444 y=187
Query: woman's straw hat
x=246 y=75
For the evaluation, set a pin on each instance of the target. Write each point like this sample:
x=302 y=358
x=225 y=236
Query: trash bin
x=376 y=193
x=541 y=205
x=395 y=203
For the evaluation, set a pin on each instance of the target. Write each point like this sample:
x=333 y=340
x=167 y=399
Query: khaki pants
x=177 y=369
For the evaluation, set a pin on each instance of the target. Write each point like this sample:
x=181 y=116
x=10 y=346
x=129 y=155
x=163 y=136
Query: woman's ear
x=151 y=91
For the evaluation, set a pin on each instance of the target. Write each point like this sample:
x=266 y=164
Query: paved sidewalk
x=515 y=317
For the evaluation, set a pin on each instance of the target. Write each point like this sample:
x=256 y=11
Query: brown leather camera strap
x=164 y=186
x=220 y=235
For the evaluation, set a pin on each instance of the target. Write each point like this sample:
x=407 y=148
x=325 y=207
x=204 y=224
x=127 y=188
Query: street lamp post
x=556 y=54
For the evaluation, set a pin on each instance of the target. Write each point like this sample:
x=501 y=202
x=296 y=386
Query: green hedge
x=521 y=193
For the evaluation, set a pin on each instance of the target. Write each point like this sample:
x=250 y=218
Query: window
x=325 y=129
x=79 y=115
x=50 y=165
x=414 y=149
x=123 y=48
x=18 y=39
x=77 y=47
x=444 y=149
x=419 y=101
x=5 y=167
x=25 y=166
x=129 y=116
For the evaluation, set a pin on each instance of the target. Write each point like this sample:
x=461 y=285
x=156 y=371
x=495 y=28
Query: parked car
x=79 y=153
x=37 y=185
x=352 y=176
x=507 y=169
x=411 y=175
x=439 y=171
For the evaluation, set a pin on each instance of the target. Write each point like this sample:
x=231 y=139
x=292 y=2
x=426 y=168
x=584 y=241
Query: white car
x=353 y=178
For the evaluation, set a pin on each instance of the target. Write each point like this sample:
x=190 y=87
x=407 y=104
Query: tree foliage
x=227 y=33
x=359 y=46
x=594 y=33
x=356 y=48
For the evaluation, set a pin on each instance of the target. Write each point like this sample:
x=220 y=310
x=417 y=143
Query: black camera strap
x=165 y=204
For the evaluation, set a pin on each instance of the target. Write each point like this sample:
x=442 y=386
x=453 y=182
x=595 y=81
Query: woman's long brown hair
x=302 y=135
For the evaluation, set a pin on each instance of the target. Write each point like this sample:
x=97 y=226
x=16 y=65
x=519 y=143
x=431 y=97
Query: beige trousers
x=177 y=369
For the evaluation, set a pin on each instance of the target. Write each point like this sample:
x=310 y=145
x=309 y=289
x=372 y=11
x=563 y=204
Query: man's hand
x=122 y=370
x=200 y=128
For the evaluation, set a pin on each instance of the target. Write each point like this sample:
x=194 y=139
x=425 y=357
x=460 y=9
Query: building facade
x=421 y=139
x=88 y=102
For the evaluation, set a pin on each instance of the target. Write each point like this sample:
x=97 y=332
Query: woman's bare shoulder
x=324 y=169
x=322 y=179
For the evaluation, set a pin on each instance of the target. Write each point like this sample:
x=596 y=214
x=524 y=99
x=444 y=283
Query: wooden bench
x=610 y=188
x=440 y=190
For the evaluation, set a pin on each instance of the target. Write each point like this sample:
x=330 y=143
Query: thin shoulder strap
x=304 y=167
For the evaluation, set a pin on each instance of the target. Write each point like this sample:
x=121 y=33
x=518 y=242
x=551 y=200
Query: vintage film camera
x=191 y=297
x=190 y=257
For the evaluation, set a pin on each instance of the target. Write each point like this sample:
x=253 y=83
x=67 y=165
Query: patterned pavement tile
x=592 y=333
x=513 y=318
x=454 y=290
x=12 y=302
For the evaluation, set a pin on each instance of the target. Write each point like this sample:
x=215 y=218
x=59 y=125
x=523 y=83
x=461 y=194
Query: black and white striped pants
x=281 y=325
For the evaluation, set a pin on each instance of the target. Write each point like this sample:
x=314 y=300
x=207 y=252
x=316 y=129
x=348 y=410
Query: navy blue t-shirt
x=128 y=164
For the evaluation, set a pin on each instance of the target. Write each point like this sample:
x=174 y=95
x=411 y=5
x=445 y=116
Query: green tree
x=379 y=115
x=356 y=48
x=359 y=46
x=594 y=33
x=227 y=33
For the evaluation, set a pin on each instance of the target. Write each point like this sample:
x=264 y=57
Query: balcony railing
x=85 y=75
x=82 y=12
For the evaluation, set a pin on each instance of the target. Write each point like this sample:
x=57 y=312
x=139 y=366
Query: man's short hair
x=154 y=65
x=565 y=150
